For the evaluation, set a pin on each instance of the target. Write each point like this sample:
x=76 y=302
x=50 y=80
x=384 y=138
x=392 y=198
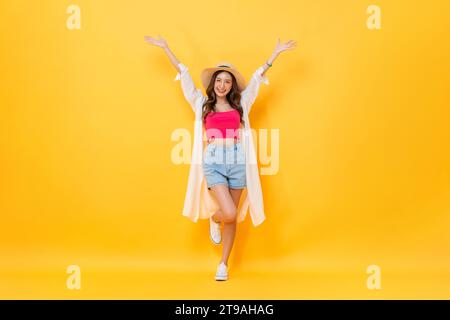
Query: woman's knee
x=229 y=214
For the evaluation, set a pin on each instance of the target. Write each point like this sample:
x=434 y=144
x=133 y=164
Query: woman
x=228 y=163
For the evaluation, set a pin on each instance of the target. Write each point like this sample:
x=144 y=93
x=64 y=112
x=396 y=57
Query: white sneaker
x=222 y=272
x=214 y=231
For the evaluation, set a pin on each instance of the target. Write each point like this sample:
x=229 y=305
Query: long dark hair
x=233 y=97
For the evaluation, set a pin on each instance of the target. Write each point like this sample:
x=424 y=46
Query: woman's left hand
x=280 y=47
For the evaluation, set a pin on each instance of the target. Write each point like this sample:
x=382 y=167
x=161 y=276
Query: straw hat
x=208 y=72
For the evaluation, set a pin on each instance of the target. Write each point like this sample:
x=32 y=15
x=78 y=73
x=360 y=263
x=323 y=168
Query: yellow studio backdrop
x=361 y=195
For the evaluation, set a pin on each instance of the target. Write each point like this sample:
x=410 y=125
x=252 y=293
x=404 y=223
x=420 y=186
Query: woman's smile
x=223 y=83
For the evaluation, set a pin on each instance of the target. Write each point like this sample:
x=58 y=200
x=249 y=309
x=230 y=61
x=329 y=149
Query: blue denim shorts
x=224 y=164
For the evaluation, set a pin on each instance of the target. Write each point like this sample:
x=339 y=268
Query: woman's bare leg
x=229 y=228
x=227 y=207
x=218 y=216
x=228 y=200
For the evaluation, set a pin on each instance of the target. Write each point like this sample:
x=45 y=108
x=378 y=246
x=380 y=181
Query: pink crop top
x=222 y=124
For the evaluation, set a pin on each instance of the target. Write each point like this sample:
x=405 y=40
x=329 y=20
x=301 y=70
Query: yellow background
x=86 y=176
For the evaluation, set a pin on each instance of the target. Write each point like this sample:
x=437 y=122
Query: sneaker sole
x=221 y=278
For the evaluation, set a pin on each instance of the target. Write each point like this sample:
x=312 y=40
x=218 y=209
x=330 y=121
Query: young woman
x=228 y=163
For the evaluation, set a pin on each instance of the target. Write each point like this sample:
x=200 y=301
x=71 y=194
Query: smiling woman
x=227 y=166
x=223 y=85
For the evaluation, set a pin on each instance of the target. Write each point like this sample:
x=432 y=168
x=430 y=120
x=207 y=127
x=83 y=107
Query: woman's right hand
x=161 y=42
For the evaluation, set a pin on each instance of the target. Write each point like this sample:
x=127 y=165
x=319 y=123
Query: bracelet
x=268 y=64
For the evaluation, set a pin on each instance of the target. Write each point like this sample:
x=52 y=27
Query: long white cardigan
x=199 y=203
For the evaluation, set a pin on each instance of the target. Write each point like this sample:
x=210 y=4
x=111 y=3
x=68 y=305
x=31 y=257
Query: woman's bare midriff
x=223 y=141
x=226 y=141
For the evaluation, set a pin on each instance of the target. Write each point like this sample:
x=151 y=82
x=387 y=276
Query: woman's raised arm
x=191 y=93
x=162 y=43
x=249 y=94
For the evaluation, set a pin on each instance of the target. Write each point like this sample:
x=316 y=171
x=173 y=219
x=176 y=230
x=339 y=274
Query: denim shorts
x=224 y=164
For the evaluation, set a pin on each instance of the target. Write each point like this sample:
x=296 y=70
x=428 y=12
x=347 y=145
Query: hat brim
x=207 y=74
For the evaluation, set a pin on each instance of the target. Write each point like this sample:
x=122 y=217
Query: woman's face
x=223 y=84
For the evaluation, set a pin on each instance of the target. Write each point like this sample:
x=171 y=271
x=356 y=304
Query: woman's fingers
x=291 y=44
x=151 y=38
x=154 y=41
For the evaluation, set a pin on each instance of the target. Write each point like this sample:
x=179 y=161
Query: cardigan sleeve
x=249 y=94
x=191 y=93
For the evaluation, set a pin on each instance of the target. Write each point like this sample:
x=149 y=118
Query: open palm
x=160 y=42
x=280 y=47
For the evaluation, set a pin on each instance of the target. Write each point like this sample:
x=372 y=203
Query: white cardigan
x=199 y=203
